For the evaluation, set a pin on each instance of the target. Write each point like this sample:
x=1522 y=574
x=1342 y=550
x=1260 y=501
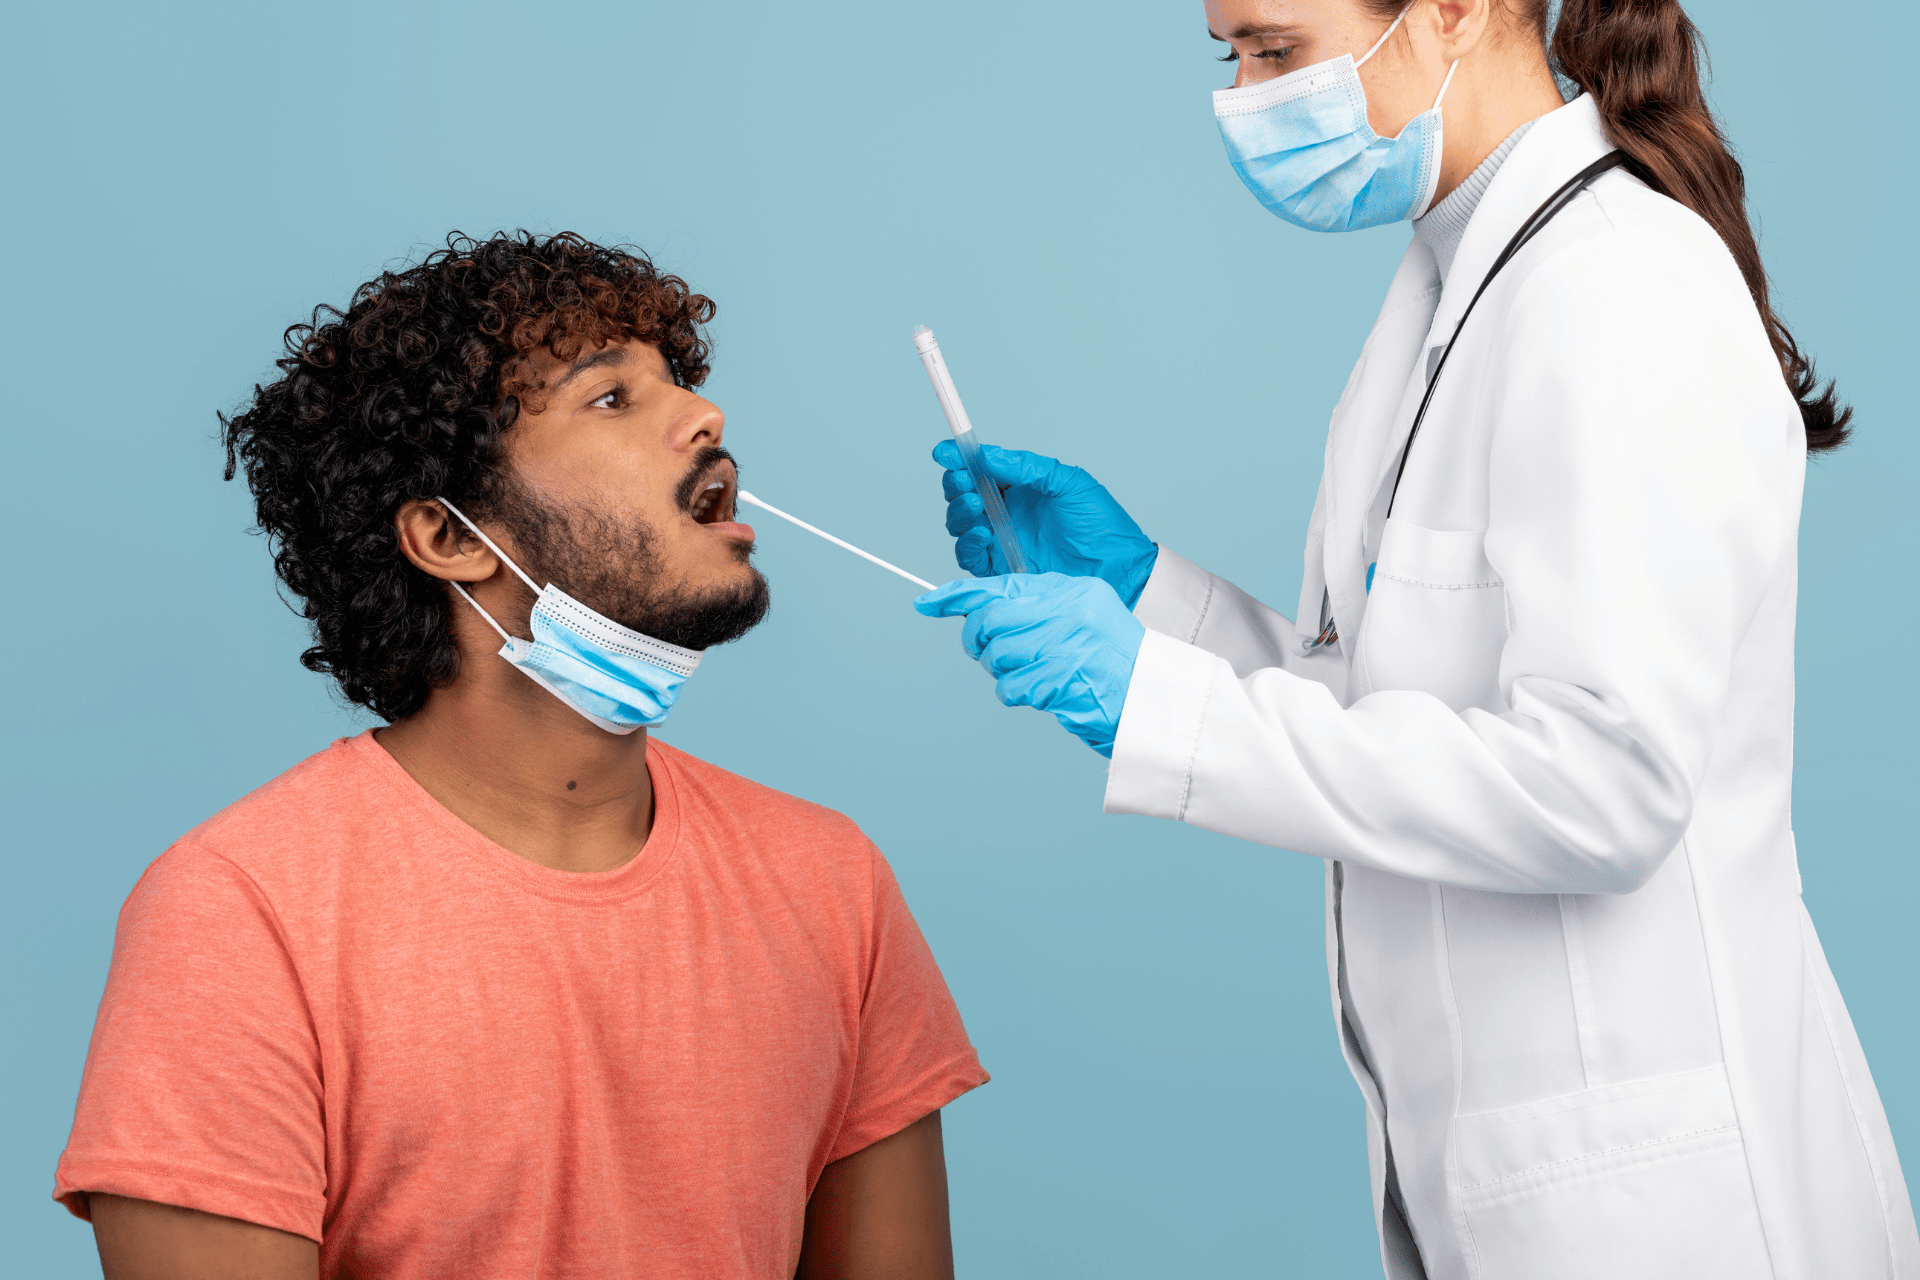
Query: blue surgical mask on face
x=1303 y=146
x=616 y=677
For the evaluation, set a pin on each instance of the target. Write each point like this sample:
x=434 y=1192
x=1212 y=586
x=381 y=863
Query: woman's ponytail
x=1640 y=61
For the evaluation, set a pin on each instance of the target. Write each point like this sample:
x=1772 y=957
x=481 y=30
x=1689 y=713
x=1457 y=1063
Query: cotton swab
x=890 y=568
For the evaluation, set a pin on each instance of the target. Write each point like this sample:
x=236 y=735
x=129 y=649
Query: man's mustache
x=703 y=462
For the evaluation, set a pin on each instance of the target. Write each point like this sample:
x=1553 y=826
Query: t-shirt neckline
x=639 y=872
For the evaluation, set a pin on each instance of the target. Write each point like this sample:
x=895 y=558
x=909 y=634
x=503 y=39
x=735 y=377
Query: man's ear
x=430 y=537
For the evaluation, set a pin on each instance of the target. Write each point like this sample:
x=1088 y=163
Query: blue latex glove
x=1066 y=520
x=1055 y=643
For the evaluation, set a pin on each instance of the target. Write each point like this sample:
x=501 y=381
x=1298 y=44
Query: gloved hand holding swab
x=838 y=542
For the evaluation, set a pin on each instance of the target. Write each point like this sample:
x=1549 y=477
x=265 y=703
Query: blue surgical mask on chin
x=615 y=677
x=1303 y=146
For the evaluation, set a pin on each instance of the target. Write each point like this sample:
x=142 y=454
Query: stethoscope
x=1329 y=631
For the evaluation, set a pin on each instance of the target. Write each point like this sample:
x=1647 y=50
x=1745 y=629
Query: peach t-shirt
x=337 y=1010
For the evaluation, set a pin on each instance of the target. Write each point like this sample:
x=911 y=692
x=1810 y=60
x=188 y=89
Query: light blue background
x=1041 y=183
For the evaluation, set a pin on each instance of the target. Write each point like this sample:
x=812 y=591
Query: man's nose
x=698 y=426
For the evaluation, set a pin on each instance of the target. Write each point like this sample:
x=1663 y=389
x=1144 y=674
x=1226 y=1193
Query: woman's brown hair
x=1640 y=61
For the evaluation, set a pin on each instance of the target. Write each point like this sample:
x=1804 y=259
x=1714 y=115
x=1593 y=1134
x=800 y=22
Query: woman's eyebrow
x=1254 y=29
x=598 y=359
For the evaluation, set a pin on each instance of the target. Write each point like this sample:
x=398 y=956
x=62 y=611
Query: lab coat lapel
x=1376 y=411
x=1560 y=144
x=1363 y=424
x=1313 y=576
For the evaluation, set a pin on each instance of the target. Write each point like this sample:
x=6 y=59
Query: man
x=506 y=988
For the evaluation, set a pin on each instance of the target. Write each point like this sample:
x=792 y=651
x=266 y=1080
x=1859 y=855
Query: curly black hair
x=408 y=394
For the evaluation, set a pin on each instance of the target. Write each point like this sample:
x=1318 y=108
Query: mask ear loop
x=1383 y=39
x=505 y=558
x=1451 y=68
x=1433 y=183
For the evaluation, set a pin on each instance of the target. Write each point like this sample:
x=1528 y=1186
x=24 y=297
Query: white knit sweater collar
x=1443 y=225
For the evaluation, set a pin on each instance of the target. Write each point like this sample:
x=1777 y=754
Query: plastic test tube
x=969 y=441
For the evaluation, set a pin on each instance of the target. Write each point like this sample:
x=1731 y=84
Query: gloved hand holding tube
x=1056 y=643
x=1066 y=521
x=1057 y=632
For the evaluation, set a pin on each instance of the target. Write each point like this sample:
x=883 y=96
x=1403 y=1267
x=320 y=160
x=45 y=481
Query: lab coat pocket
x=1645 y=1179
x=1436 y=618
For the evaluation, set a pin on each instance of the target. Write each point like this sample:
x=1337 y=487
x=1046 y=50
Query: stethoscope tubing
x=1553 y=204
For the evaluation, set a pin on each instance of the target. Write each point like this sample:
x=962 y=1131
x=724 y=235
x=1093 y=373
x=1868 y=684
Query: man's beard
x=614 y=568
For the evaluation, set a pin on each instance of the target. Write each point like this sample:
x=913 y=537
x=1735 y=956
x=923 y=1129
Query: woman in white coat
x=1537 y=713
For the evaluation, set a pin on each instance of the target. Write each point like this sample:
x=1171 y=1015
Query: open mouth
x=713 y=496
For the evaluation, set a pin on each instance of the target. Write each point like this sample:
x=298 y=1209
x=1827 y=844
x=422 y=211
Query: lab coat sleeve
x=1645 y=472
x=1184 y=601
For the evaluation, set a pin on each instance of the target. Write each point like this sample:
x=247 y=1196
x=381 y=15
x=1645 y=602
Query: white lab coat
x=1549 y=765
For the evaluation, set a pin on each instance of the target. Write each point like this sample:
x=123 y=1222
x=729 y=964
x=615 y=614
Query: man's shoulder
x=706 y=785
x=317 y=805
x=719 y=799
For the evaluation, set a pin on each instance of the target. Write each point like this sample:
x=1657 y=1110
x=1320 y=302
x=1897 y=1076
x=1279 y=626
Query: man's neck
x=525 y=770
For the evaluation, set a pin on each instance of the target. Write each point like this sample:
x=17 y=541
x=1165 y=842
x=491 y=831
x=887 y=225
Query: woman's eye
x=610 y=400
x=1269 y=55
